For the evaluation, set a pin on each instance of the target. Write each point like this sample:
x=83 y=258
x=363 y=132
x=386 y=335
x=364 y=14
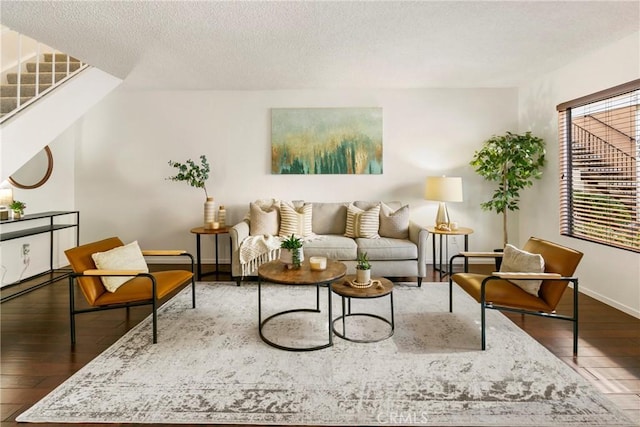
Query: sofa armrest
x=419 y=235
x=238 y=233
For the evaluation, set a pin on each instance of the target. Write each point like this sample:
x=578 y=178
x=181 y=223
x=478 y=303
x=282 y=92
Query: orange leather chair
x=143 y=289
x=496 y=292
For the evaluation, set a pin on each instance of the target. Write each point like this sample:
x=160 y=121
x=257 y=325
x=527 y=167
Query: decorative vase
x=222 y=216
x=363 y=276
x=17 y=214
x=292 y=258
x=209 y=213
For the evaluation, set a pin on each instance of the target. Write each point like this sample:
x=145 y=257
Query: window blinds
x=598 y=141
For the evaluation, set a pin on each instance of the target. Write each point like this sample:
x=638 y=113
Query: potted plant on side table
x=196 y=176
x=291 y=253
x=363 y=269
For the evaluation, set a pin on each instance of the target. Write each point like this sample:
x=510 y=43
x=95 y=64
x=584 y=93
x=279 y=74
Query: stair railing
x=20 y=53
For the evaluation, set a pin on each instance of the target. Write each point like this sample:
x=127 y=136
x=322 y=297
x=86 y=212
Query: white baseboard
x=595 y=295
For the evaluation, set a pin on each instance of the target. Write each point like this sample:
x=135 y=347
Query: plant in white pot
x=512 y=161
x=291 y=253
x=18 y=208
x=363 y=268
x=196 y=176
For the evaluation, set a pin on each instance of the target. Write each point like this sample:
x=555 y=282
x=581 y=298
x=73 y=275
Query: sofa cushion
x=296 y=221
x=361 y=223
x=388 y=249
x=329 y=218
x=331 y=246
x=264 y=220
x=394 y=223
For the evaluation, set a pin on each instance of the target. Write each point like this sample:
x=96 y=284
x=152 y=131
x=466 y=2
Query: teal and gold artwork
x=326 y=141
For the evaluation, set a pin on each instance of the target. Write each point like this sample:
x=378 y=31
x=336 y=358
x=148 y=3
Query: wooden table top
x=342 y=288
x=277 y=272
x=460 y=231
x=202 y=230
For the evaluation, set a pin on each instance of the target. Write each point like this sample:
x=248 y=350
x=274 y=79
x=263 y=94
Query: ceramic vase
x=209 y=213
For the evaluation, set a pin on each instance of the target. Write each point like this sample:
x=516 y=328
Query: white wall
x=124 y=143
x=608 y=274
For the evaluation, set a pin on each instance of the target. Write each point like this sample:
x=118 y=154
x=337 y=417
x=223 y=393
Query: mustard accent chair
x=143 y=289
x=496 y=292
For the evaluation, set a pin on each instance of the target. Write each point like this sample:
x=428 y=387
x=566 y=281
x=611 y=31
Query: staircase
x=38 y=78
x=31 y=70
x=605 y=188
x=603 y=168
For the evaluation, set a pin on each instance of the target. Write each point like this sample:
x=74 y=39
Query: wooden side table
x=347 y=292
x=461 y=231
x=199 y=231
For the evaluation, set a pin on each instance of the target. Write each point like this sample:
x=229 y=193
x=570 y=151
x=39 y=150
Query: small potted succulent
x=18 y=208
x=363 y=268
x=291 y=253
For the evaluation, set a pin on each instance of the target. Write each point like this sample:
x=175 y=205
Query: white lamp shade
x=443 y=188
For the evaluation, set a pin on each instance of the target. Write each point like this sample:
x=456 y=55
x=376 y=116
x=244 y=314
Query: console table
x=30 y=230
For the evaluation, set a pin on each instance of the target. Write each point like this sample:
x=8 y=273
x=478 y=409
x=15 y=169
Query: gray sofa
x=390 y=257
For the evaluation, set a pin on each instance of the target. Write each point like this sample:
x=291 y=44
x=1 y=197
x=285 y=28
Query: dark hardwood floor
x=36 y=354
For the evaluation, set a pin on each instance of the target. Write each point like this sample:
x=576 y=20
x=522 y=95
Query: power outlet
x=26 y=249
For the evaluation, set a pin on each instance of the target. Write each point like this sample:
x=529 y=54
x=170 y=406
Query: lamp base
x=442 y=217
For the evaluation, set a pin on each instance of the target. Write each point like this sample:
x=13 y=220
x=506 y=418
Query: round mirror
x=35 y=172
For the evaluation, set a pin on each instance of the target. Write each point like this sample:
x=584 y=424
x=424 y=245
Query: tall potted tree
x=512 y=161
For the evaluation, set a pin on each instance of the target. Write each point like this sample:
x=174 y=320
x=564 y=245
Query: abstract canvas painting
x=326 y=141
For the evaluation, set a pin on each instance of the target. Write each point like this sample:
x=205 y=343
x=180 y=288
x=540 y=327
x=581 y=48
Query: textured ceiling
x=320 y=44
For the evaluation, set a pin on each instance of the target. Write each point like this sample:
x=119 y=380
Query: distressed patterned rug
x=210 y=366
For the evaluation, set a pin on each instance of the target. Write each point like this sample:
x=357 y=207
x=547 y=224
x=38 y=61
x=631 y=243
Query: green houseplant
x=191 y=173
x=512 y=161
x=363 y=268
x=18 y=208
x=291 y=253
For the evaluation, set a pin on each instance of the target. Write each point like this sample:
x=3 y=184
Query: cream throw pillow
x=127 y=257
x=515 y=260
x=362 y=223
x=295 y=221
x=263 y=221
x=394 y=224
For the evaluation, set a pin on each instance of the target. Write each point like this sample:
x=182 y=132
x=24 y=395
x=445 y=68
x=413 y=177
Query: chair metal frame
x=153 y=301
x=519 y=276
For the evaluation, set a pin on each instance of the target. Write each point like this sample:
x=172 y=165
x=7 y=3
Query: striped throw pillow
x=362 y=223
x=295 y=221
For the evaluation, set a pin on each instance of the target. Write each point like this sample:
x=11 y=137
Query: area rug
x=211 y=367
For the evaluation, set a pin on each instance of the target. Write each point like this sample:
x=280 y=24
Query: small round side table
x=460 y=231
x=199 y=231
x=346 y=291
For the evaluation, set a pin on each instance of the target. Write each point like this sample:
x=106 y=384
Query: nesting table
x=276 y=272
x=381 y=287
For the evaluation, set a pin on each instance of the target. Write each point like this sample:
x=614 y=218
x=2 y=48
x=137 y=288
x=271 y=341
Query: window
x=599 y=151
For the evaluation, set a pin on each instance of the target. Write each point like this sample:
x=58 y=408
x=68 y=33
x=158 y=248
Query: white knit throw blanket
x=256 y=250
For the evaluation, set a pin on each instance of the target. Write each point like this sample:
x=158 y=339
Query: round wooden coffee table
x=382 y=288
x=276 y=272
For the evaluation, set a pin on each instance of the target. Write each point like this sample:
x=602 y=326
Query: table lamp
x=443 y=189
x=6 y=197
